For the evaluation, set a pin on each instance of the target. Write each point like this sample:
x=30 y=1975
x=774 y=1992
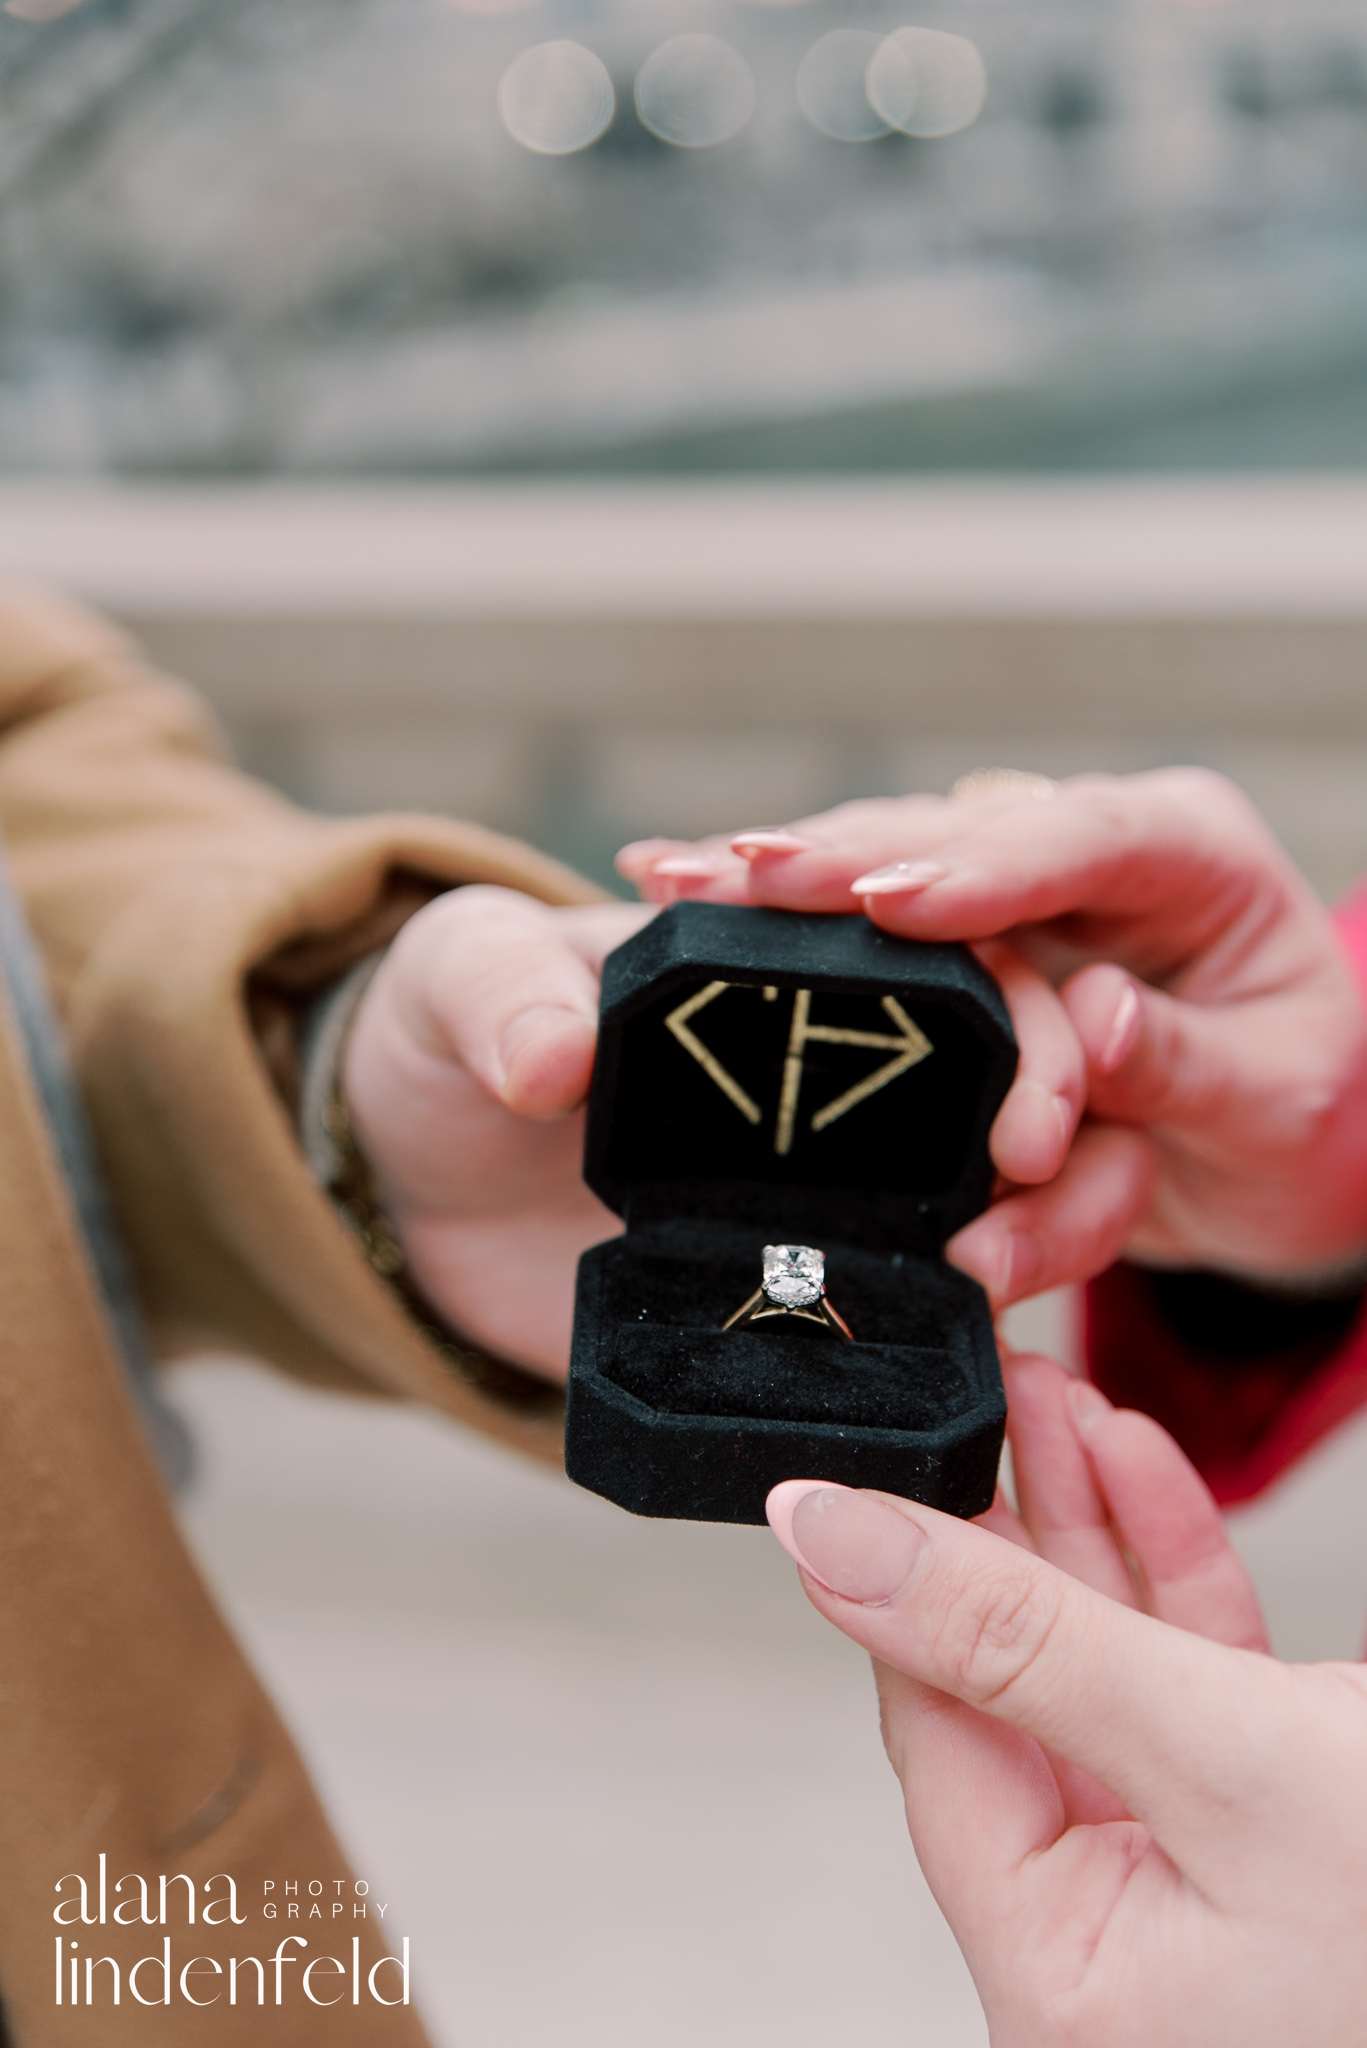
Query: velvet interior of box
x=765 y=1078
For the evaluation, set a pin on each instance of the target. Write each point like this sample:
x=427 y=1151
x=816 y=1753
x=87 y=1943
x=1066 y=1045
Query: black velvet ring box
x=764 y=1078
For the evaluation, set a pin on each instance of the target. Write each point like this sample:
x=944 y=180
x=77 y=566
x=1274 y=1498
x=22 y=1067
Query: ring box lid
x=804 y=1073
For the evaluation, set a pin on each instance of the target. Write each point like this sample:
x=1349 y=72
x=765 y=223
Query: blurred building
x=586 y=661
x=301 y=235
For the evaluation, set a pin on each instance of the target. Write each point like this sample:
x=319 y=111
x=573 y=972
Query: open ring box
x=767 y=1077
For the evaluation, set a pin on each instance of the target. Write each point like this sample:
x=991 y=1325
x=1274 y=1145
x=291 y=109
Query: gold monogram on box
x=909 y=1046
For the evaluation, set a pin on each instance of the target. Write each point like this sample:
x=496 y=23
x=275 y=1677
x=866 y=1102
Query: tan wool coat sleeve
x=130 y=1725
x=184 y=911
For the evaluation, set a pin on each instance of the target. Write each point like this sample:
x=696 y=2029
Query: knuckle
x=445 y=917
x=1112 y=801
x=1310 y=1112
x=1001 y=1629
x=474 y=902
x=1207 y=785
x=1215 y=802
x=478 y=922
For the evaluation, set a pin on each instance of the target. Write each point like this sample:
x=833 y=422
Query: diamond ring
x=794 y=1284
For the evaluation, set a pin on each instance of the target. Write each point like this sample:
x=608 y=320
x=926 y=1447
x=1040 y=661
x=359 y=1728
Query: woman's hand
x=1202 y=976
x=1138 y=1835
x=466 y=1072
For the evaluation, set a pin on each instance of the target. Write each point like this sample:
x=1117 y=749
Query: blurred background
x=407 y=237
x=599 y=417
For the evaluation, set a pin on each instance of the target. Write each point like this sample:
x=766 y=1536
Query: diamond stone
x=794 y=1274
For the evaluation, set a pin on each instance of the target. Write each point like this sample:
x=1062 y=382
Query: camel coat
x=185 y=914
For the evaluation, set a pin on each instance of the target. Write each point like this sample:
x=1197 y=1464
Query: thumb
x=1192 y=1736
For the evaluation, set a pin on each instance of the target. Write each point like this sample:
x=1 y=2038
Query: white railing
x=584 y=662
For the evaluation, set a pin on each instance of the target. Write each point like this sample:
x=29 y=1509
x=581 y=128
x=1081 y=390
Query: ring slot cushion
x=766 y=1077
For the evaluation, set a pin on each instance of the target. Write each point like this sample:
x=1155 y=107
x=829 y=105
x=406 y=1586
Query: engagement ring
x=794 y=1284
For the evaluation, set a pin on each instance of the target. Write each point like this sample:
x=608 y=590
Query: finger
x=1067 y=1231
x=593 y=930
x=1035 y=1124
x=1191 y=1573
x=1065 y=1520
x=985 y=1806
x=1002 y=1520
x=1167 y=860
x=810 y=864
x=1190 y=1735
x=1061 y=1503
x=1153 y=1058
x=635 y=860
x=1150 y=1057
x=672 y=870
x=547 y=1051
x=507 y=988
x=981 y=1800
x=805 y=865
x=779 y=864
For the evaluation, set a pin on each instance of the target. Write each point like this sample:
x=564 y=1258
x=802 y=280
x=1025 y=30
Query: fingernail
x=983 y=1251
x=1088 y=1405
x=1123 y=1032
x=688 y=866
x=1063 y=1112
x=1003 y=1262
x=900 y=878
x=854 y=1545
x=635 y=855
x=768 y=839
x=543 y=1022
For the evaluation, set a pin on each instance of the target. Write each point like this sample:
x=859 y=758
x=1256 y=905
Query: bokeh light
x=926 y=82
x=487 y=7
x=42 y=10
x=556 y=98
x=831 y=89
x=695 y=91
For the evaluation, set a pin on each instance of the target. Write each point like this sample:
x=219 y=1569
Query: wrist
x=343 y=1170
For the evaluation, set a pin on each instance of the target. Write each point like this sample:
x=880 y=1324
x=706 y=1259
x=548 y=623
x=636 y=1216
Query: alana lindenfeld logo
x=323 y=1965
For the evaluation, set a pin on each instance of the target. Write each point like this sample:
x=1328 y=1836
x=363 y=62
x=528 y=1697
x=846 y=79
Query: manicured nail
x=854 y=1545
x=1088 y=1404
x=768 y=839
x=900 y=878
x=1003 y=1262
x=1124 y=1030
x=636 y=856
x=983 y=1251
x=688 y=867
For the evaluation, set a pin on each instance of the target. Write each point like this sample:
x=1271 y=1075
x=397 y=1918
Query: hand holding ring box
x=810 y=1095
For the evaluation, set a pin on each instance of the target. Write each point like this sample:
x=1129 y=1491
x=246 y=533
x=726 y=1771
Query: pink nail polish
x=1006 y=1267
x=900 y=878
x=1123 y=1032
x=1088 y=1404
x=768 y=839
x=636 y=854
x=688 y=866
x=982 y=1250
x=857 y=1547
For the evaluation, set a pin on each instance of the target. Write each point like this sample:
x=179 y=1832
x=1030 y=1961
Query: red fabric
x=1242 y=1422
